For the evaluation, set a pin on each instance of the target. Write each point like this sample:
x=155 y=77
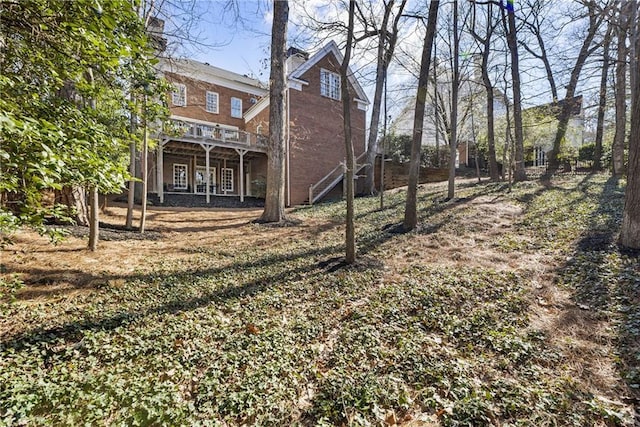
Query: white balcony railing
x=219 y=134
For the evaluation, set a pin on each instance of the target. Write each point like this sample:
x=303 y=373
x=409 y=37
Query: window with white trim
x=179 y=176
x=211 y=104
x=329 y=84
x=236 y=108
x=226 y=178
x=201 y=179
x=179 y=95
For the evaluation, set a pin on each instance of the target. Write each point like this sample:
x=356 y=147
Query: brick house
x=219 y=146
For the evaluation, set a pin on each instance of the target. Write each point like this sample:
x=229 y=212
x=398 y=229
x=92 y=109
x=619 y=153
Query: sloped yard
x=503 y=308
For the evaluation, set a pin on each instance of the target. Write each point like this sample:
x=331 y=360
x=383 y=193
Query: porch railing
x=217 y=133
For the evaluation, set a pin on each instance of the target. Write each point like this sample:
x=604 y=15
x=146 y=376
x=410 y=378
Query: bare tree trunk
x=94 y=224
x=436 y=113
x=491 y=132
x=630 y=232
x=144 y=166
x=475 y=145
x=455 y=87
x=386 y=47
x=94 y=212
x=595 y=19
x=486 y=80
x=384 y=147
x=275 y=193
x=506 y=155
x=602 y=103
x=410 y=210
x=75 y=198
x=634 y=52
x=132 y=183
x=372 y=146
x=512 y=41
x=617 y=149
x=350 y=235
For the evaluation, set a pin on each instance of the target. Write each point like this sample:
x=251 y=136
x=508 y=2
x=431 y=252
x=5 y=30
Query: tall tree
x=275 y=194
x=617 y=149
x=455 y=88
x=512 y=42
x=94 y=220
x=436 y=113
x=410 y=210
x=485 y=46
x=602 y=102
x=132 y=171
x=144 y=168
x=386 y=46
x=51 y=141
x=350 y=235
x=630 y=232
x=596 y=17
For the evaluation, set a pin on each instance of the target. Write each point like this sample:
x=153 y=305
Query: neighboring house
x=543 y=141
x=222 y=122
x=471 y=102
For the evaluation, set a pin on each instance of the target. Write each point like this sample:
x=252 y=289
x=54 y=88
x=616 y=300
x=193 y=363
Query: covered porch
x=208 y=162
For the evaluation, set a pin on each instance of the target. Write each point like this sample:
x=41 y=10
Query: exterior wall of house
x=260 y=123
x=317 y=141
x=196 y=101
x=195 y=109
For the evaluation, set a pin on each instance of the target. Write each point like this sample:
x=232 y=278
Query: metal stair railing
x=326 y=183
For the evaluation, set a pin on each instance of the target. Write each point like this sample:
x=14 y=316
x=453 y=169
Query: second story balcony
x=186 y=131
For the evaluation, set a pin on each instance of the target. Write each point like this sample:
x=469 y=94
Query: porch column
x=241 y=152
x=193 y=174
x=208 y=174
x=207 y=148
x=160 y=171
x=224 y=187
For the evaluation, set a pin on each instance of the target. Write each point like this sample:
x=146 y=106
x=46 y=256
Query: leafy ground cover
x=503 y=308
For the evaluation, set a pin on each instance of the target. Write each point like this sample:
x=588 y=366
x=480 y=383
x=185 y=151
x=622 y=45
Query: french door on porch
x=201 y=180
x=226 y=178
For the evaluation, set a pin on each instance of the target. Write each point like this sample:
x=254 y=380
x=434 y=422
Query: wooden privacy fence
x=397 y=174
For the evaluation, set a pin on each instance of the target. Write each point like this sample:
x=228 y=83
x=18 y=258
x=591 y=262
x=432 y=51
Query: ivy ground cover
x=502 y=308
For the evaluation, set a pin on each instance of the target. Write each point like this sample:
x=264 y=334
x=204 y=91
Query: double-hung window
x=212 y=102
x=179 y=95
x=236 y=108
x=329 y=84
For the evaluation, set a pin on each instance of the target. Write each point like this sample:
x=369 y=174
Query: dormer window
x=179 y=95
x=329 y=84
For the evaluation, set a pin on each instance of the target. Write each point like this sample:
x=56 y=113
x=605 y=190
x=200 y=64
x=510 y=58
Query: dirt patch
x=177 y=233
x=51 y=271
x=473 y=237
